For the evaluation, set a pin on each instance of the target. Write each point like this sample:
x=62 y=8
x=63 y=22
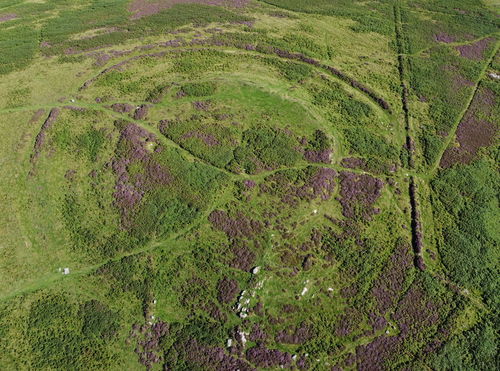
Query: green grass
x=219 y=170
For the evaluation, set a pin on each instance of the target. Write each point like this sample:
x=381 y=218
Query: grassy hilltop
x=246 y=184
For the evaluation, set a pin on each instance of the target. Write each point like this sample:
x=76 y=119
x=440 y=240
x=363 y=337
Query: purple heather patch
x=36 y=116
x=476 y=50
x=324 y=156
x=226 y=290
x=208 y=139
x=201 y=105
x=243 y=256
x=130 y=190
x=40 y=138
x=443 y=37
x=7 y=17
x=359 y=190
x=239 y=226
x=249 y=183
x=354 y=163
x=148 y=349
x=257 y=333
x=474 y=131
x=389 y=285
x=320 y=184
x=414 y=313
x=141 y=112
x=349 y=322
x=294 y=335
x=210 y=358
x=122 y=107
x=264 y=357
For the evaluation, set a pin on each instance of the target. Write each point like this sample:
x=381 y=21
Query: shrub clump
x=199 y=89
x=318 y=149
x=368 y=144
x=266 y=148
